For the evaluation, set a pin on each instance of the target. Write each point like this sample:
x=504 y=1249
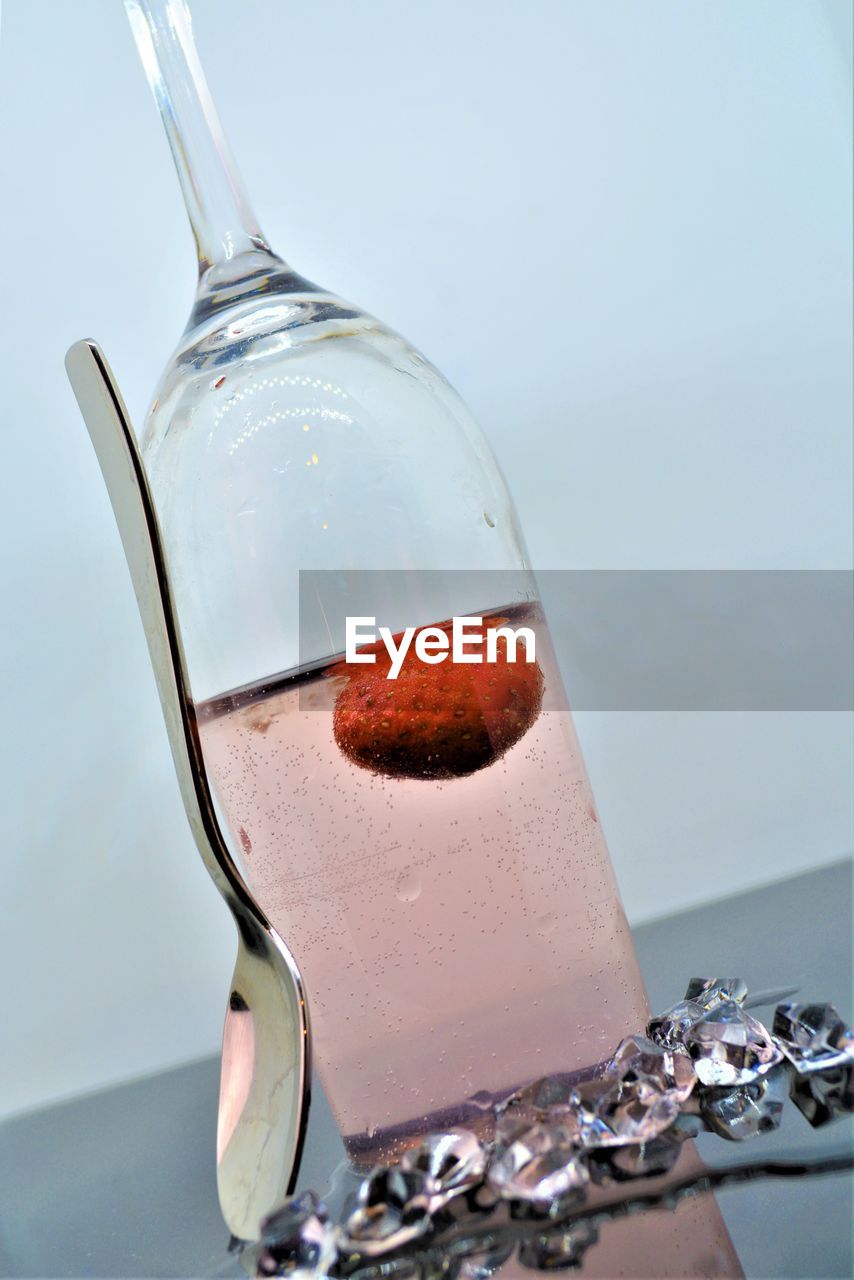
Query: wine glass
x=292 y=434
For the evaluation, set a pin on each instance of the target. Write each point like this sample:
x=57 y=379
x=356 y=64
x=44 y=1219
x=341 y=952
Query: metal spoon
x=265 y=1080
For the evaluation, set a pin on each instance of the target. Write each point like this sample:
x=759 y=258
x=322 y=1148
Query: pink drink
x=457 y=938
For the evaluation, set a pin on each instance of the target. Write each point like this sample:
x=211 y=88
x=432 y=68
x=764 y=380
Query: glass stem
x=222 y=220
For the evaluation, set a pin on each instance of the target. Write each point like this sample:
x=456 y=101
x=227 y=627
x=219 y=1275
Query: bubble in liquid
x=547 y=923
x=408 y=886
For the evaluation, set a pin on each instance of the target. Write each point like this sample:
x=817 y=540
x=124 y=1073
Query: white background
x=621 y=228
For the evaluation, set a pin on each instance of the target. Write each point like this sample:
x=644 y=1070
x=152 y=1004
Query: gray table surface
x=121 y=1183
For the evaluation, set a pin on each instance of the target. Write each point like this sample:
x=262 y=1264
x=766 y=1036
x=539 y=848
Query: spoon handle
x=265 y=1081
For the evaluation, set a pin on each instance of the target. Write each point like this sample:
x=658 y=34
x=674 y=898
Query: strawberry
x=441 y=720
